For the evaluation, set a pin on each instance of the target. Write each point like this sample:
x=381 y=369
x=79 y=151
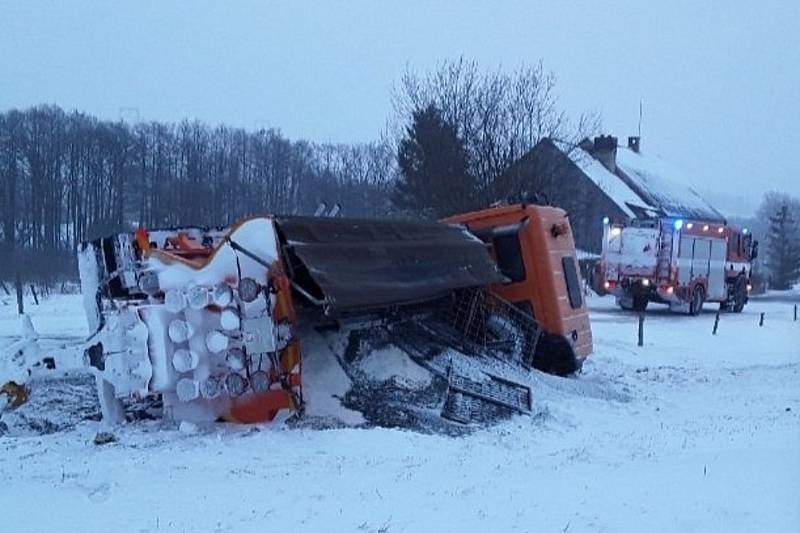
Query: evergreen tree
x=434 y=180
x=784 y=250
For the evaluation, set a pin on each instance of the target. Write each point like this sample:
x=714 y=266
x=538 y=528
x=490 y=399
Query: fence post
x=20 y=299
x=716 y=324
x=795 y=312
x=33 y=292
x=641 y=329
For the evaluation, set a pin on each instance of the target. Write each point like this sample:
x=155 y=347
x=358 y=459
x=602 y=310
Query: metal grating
x=485 y=323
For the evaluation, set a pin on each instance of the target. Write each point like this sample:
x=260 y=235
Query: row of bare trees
x=69 y=177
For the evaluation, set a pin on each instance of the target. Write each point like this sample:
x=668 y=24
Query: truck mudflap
x=351 y=265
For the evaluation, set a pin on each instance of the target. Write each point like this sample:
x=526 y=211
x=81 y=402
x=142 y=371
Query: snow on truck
x=217 y=323
x=679 y=262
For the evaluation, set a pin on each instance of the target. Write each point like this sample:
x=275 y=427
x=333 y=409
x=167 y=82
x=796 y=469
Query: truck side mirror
x=754 y=251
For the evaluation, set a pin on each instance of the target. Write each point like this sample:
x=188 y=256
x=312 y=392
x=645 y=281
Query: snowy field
x=691 y=432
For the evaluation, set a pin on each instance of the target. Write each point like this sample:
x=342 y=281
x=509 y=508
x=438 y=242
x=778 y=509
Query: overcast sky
x=720 y=80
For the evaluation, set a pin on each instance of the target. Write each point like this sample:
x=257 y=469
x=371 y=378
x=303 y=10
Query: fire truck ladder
x=664 y=253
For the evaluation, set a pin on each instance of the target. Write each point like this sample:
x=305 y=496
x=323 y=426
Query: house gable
x=552 y=174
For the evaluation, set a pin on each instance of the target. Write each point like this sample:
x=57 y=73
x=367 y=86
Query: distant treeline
x=69 y=177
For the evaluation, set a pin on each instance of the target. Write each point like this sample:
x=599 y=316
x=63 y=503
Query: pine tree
x=433 y=163
x=784 y=250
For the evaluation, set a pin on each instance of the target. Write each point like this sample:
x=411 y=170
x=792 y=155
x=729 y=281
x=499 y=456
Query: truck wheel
x=698 y=297
x=555 y=355
x=740 y=295
x=640 y=303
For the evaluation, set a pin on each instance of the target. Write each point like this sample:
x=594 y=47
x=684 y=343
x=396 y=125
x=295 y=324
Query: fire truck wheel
x=640 y=303
x=698 y=297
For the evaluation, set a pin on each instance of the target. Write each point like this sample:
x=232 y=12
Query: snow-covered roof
x=616 y=189
x=643 y=185
x=662 y=186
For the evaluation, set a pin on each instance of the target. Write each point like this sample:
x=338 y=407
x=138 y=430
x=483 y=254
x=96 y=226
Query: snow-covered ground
x=691 y=432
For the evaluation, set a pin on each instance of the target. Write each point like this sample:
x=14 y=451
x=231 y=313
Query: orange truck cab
x=534 y=248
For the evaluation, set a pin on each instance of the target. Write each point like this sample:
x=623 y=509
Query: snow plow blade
x=352 y=265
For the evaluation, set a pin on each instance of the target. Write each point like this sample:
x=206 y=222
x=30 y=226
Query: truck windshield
x=573 y=282
x=508 y=252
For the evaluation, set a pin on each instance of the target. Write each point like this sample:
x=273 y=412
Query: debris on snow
x=104 y=437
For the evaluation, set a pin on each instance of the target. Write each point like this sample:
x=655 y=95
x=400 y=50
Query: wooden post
x=795 y=312
x=33 y=292
x=716 y=324
x=20 y=299
x=761 y=320
x=641 y=329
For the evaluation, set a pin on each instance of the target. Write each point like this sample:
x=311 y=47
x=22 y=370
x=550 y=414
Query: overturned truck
x=212 y=321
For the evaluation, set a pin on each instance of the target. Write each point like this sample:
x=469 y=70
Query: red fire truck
x=678 y=262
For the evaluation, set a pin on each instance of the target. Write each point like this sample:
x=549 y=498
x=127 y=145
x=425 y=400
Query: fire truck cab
x=678 y=262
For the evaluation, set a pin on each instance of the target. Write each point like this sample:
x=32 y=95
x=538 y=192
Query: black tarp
x=355 y=264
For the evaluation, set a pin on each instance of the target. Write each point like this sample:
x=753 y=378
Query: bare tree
x=499 y=115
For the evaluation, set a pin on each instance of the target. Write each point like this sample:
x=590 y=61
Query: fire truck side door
x=701 y=258
x=685 y=256
x=716 y=277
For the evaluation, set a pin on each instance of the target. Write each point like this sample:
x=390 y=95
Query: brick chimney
x=634 y=143
x=605 y=151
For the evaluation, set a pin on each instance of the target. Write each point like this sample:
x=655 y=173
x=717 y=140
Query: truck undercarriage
x=215 y=324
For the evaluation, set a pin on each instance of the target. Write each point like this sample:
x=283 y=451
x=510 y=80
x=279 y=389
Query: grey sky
x=720 y=80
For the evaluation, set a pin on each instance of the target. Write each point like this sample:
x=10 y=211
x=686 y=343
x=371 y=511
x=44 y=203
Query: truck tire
x=555 y=355
x=698 y=298
x=640 y=303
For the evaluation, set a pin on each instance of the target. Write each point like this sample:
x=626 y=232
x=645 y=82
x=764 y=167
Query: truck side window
x=508 y=251
x=573 y=282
